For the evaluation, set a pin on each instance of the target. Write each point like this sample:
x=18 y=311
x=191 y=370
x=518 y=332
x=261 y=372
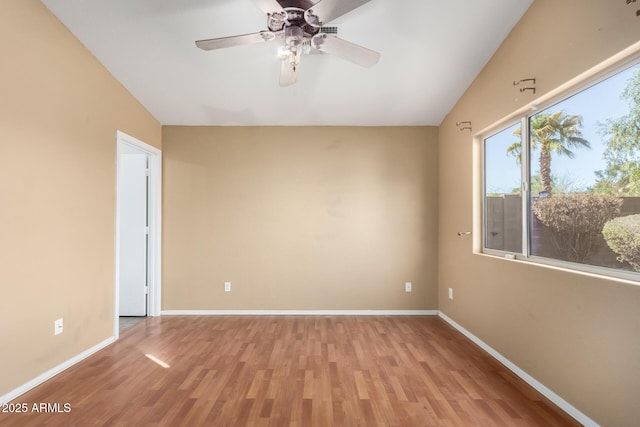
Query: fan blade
x=289 y=69
x=288 y=73
x=327 y=10
x=269 y=6
x=223 y=42
x=346 y=50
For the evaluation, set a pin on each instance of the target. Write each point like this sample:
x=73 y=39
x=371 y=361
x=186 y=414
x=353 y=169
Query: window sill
x=622 y=276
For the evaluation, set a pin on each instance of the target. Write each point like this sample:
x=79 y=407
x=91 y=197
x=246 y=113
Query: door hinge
x=146 y=289
x=146 y=172
x=146 y=230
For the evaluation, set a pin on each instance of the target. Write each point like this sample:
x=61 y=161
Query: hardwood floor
x=289 y=370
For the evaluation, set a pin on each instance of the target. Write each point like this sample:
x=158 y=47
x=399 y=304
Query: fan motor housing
x=298 y=4
x=295 y=18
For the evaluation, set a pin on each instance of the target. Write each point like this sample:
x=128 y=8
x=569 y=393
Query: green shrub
x=575 y=221
x=623 y=237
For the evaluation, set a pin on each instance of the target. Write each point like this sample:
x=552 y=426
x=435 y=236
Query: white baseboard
x=54 y=371
x=541 y=388
x=300 y=312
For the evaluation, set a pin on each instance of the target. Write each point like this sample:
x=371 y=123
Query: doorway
x=137 y=242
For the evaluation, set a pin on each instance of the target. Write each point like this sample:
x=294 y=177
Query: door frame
x=124 y=141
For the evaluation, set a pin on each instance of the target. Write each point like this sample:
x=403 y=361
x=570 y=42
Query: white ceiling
x=431 y=50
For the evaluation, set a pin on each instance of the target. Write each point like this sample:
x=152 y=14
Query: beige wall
x=59 y=111
x=295 y=218
x=576 y=334
x=326 y=218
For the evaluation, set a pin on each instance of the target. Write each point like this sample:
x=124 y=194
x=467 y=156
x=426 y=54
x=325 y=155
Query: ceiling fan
x=299 y=24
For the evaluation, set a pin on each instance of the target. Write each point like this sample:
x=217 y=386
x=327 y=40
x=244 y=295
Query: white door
x=132 y=205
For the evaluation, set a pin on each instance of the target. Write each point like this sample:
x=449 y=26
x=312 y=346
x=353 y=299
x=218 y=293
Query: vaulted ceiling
x=431 y=50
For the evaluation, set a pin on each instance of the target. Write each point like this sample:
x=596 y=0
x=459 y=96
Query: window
x=503 y=195
x=563 y=184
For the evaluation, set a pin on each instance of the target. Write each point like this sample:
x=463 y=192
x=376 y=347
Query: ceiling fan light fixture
x=298 y=24
x=267 y=35
x=276 y=21
x=312 y=19
x=293 y=35
x=283 y=52
x=318 y=40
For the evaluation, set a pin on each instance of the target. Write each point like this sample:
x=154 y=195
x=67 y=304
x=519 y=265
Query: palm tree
x=551 y=133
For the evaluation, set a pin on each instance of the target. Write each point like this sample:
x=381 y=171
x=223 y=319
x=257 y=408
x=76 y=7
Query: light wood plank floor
x=290 y=370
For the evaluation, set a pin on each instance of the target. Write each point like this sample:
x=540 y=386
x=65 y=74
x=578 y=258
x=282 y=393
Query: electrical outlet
x=407 y=287
x=57 y=327
x=227 y=286
x=450 y=293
